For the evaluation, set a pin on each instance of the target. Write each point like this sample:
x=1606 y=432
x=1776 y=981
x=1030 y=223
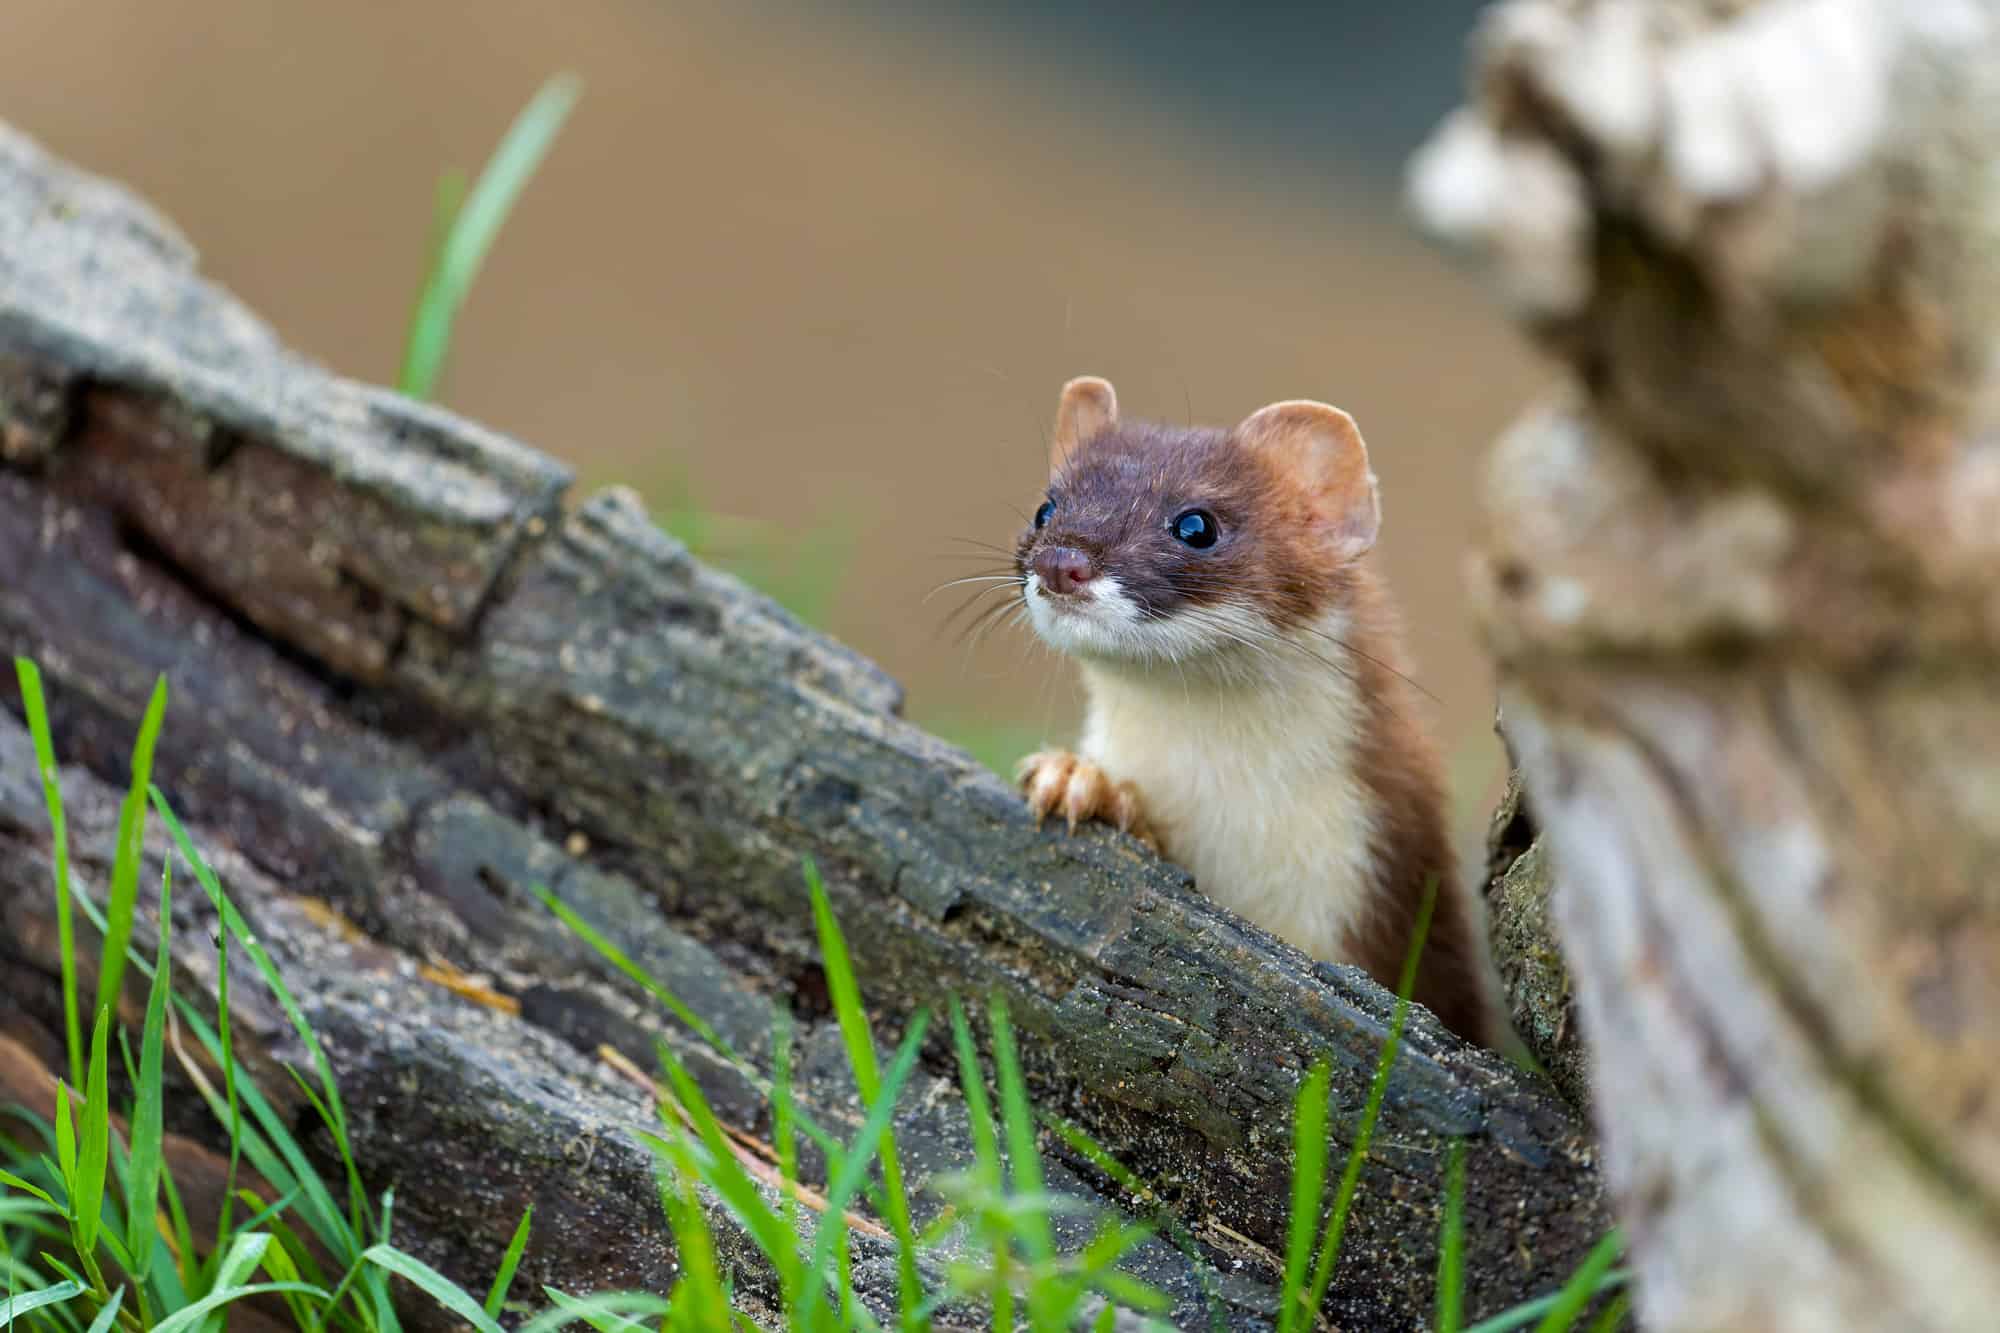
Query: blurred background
x=809 y=277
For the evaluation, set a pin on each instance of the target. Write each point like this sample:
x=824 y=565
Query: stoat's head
x=1158 y=544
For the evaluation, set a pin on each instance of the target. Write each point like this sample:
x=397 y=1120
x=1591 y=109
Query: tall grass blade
x=1198 y=1263
x=246 y=1251
x=1350 y=1176
x=192 y=1315
x=332 y=1112
x=125 y=862
x=1583 y=1285
x=93 y=1155
x=12 y=1181
x=784 y=1125
x=1308 y=1188
x=474 y=226
x=986 y=1153
x=605 y=1310
x=14 y=1307
x=143 y=1179
x=860 y=1042
x=618 y=958
x=1451 y=1244
x=1527 y=1312
x=496 y=1295
x=66 y=1140
x=102 y=1324
x=1024 y=1161
x=1614 y=1315
x=35 y=708
x=721 y=1172
x=433 y=1284
x=848 y=1179
x=698 y=1297
x=278 y=1157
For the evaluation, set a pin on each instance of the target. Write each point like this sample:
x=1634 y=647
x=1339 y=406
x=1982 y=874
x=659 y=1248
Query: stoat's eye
x=1042 y=515
x=1196 y=527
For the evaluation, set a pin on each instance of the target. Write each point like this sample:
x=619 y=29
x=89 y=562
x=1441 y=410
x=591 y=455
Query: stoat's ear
x=1088 y=407
x=1319 y=448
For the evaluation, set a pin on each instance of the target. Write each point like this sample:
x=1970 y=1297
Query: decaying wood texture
x=408 y=683
x=1743 y=576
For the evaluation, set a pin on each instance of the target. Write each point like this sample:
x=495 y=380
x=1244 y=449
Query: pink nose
x=1063 y=570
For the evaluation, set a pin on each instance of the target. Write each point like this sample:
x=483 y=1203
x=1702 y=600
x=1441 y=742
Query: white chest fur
x=1252 y=785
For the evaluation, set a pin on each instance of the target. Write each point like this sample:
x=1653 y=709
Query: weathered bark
x=1520 y=926
x=407 y=685
x=1741 y=577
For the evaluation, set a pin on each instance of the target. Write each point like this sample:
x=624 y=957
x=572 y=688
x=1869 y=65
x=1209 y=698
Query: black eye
x=1043 y=514
x=1196 y=527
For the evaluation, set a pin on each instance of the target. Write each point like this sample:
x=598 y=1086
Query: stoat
x=1249 y=711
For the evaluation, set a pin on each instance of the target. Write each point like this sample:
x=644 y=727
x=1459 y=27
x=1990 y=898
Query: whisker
x=970 y=578
x=978 y=629
x=979 y=599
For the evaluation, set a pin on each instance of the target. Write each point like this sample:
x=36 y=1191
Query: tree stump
x=1740 y=575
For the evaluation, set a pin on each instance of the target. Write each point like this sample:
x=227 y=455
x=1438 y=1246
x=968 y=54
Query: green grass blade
x=853 y=1173
x=12 y=1181
x=333 y=1112
x=694 y=1022
x=93 y=1150
x=496 y=1295
x=1451 y=1244
x=1350 y=1176
x=1024 y=1157
x=1528 y=1311
x=985 y=1139
x=1583 y=1285
x=226 y=1056
x=860 y=1042
x=66 y=1140
x=699 y=1299
x=125 y=863
x=35 y=708
x=447 y=201
x=986 y=1154
x=605 y=1310
x=433 y=1284
x=246 y=1252
x=273 y=1152
x=721 y=1172
x=474 y=226
x=617 y=957
x=1145 y=1195
x=1614 y=1315
x=14 y=1307
x=171 y=1280
x=192 y=1315
x=143 y=1178
x=784 y=1129
x=1308 y=1188
x=102 y=1324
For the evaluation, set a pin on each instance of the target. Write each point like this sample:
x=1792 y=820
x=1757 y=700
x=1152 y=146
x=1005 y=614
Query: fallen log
x=409 y=685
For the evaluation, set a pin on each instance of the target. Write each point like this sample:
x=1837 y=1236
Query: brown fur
x=1292 y=493
x=1400 y=765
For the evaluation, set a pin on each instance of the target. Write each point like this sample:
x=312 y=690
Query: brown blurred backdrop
x=827 y=269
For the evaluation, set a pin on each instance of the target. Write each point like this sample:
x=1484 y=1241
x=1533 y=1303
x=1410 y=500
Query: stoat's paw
x=1058 y=781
